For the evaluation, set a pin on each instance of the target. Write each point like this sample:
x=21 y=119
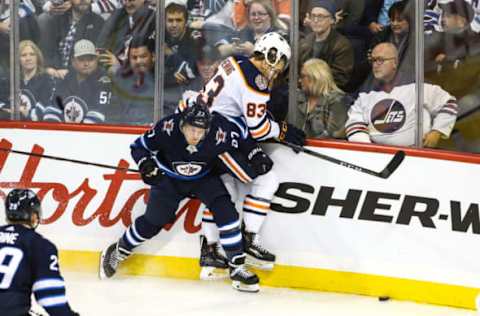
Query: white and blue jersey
x=238 y=89
x=29 y=263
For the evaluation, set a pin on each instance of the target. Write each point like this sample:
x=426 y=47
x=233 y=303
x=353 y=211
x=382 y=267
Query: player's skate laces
x=212 y=261
x=242 y=279
x=257 y=255
x=110 y=259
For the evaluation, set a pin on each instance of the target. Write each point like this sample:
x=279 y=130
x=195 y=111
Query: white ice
x=152 y=296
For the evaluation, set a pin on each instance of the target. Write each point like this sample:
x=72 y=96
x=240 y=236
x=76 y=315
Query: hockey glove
x=291 y=134
x=261 y=163
x=150 y=173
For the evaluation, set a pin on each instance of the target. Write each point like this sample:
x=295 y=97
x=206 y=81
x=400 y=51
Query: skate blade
x=212 y=274
x=101 y=272
x=259 y=264
x=248 y=288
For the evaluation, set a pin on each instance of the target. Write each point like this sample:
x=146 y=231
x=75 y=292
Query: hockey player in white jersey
x=241 y=89
x=387 y=115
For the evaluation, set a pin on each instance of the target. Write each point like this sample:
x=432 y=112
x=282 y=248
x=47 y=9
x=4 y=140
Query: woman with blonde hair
x=322 y=106
x=36 y=85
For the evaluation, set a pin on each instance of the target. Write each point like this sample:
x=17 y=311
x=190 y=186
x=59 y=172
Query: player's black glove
x=291 y=134
x=150 y=173
x=260 y=162
x=75 y=313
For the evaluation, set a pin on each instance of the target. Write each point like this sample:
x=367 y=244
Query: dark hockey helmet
x=20 y=204
x=196 y=115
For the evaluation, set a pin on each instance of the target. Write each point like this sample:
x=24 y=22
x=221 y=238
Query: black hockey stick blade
x=393 y=164
x=81 y=162
x=384 y=174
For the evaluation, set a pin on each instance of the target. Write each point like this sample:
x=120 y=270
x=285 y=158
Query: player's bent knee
x=146 y=228
x=223 y=210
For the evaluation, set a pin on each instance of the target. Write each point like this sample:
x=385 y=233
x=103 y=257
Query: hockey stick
x=384 y=174
x=81 y=162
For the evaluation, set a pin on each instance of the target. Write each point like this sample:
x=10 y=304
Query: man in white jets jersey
x=240 y=90
x=387 y=115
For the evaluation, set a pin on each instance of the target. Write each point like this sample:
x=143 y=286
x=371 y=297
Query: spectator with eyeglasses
x=324 y=42
x=386 y=113
x=400 y=32
x=240 y=12
x=262 y=19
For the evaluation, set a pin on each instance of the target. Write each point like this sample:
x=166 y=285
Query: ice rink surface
x=152 y=296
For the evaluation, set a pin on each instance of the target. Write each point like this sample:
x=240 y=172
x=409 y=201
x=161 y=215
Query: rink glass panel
x=60 y=83
x=197 y=43
x=5 y=104
x=131 y=99
x=452 y=60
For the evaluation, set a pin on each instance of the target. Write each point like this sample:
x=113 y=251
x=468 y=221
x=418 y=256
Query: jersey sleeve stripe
x=53 y=301
x=450 y=107
x=48 y=284
x=356 y=128
x=261 y=131
x=448 y=111
x=235 y=167
x=51 y=118
x=94 y=117
x=143 y=143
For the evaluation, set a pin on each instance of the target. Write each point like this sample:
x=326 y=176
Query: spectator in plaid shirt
x=62 y=31
x=322 y=106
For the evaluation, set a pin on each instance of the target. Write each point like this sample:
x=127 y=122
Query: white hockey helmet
x=273 y=46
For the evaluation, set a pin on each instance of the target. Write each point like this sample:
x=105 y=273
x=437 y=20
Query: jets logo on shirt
x=27 y=99
x=168 y=127
x=220 y=137
x=388 y=116
x=188 y=168
x=75 y=109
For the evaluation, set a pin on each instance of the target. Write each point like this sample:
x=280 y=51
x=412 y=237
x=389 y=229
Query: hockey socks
x=255 y=210
x=209 y=227
x=140 y=231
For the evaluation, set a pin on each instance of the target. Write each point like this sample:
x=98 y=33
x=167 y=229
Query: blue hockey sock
x=140 y=231
x=231 y=239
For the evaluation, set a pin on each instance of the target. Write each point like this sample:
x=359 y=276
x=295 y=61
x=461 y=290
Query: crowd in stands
x=93 y=61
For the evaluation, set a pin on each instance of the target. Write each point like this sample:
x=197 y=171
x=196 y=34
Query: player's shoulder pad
x=252 y=77
x=167 y=124
x=231 y=124
x=45 y=244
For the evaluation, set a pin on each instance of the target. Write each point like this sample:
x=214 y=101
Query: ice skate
x=257 y=256
x=212 y=262
x=242 y=279
x=110 y=260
